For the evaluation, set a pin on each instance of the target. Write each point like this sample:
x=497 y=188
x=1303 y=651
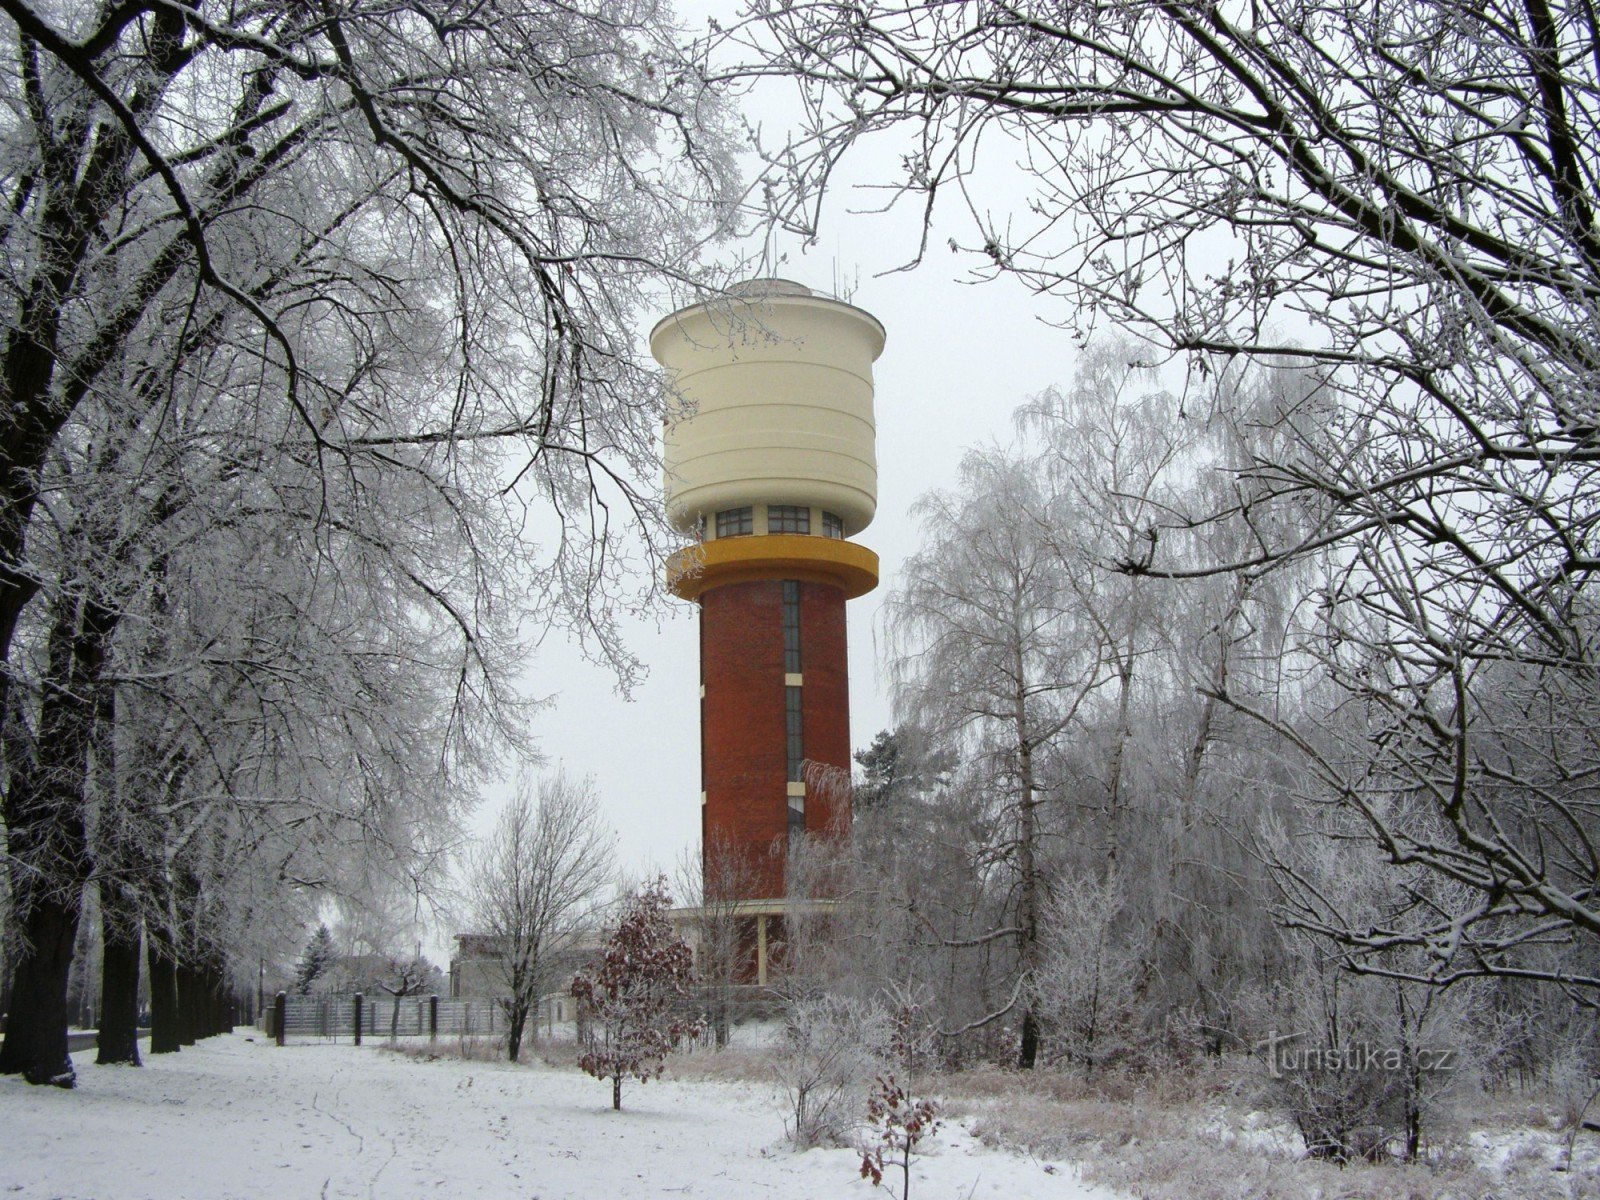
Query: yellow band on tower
x=697 y=569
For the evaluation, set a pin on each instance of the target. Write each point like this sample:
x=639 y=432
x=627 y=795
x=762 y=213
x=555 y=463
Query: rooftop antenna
x=842 y=290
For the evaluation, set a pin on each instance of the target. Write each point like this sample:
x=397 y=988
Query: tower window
x=735 y=522
x=797 y=815
x=832 y=525
x=788 y=518
x=791 y=716
x=791 y=626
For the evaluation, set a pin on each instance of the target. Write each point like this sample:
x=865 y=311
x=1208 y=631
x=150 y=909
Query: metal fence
x=332 y=1018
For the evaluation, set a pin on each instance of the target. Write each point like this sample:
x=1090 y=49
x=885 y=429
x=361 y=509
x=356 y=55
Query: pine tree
x=635 y=995
x=315 y=962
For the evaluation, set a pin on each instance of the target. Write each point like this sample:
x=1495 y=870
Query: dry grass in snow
x=1198 y=1137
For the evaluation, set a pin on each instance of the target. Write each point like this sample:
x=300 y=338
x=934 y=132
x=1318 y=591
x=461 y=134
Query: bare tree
x=1089 y=973
x=1471 y=778
x=1212 y=179
x=829 y=1048
x=1115 y=463
x=406 y=975
x=1143 y=784
x=714 y=880
x=1121 y=759
x=538 y=879
x=1363 y=1060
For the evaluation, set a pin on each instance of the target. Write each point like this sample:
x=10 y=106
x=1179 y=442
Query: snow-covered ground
x=236 y=1117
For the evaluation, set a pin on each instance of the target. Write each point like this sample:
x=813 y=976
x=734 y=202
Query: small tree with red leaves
x=897 y=1120
x=635 y=996
x=898 y=1123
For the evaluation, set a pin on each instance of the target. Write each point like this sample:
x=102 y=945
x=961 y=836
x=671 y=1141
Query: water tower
x=770 y=467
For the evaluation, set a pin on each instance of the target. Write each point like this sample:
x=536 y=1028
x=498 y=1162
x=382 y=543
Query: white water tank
x=776 y=391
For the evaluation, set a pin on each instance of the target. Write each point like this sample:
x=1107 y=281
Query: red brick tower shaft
x=752 y=729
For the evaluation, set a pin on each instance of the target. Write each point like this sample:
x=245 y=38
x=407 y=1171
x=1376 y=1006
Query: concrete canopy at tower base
x=764 y=922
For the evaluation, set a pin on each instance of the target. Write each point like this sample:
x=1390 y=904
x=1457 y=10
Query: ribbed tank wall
x=777 y=399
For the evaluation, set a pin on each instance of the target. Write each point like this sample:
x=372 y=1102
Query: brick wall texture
x=743 y=742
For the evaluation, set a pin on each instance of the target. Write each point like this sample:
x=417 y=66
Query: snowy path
x=233 y=1118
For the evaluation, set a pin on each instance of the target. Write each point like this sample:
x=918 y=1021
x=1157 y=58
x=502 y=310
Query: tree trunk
x=1413 y=1120
x=720 y=1008
x=48 y=839
x=5 y=975
x=36 y=1035
x=205 y=1002
x=119 y=983
x=1028 y=1052
x=1027 y=882
x=121 y=859
x=164 y=1034
x=186 y=922
x=616 y=1093
x=188 y=1004
x=80 y=987
x=1119 y=752
x=216 y=986
x=518 y=1018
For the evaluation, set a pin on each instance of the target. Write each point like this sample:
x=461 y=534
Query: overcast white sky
x=959 y=359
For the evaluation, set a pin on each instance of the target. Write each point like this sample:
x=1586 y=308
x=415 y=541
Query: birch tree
x=987 y=648
x=1115 y=458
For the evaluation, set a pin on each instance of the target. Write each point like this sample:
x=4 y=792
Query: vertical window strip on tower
x=702 y=634
x=791 y=714
x=797 y=815
x=788 y=518
x=791 y=626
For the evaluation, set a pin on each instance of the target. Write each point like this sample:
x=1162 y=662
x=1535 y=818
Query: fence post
x=433 y=1018
x=358 y=1018
x=280 y=1010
